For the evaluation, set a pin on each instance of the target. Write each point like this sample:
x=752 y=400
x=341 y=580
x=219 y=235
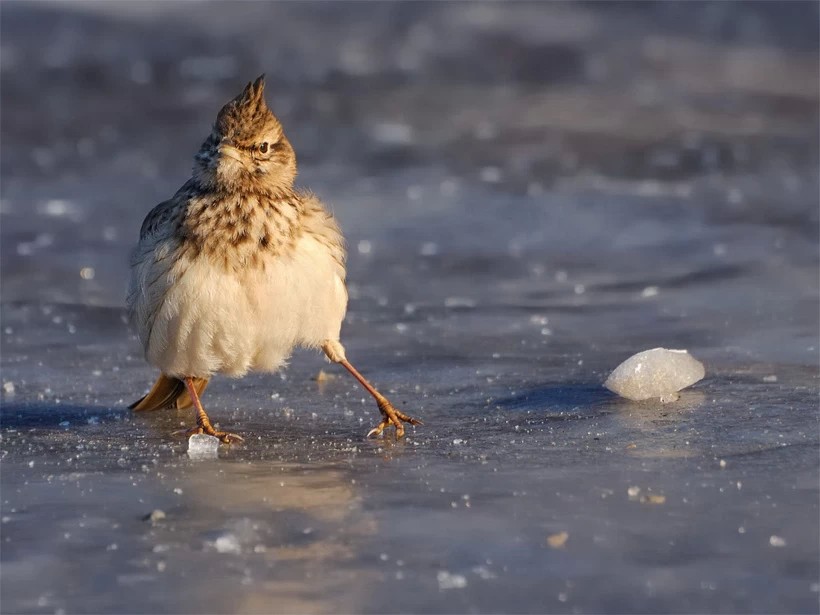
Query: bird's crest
x=247 y=115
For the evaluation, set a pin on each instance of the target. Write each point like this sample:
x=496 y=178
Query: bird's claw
x=392 y=416
x=224 y=436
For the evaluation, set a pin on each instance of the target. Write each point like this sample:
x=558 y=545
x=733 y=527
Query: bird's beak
x=227 y=150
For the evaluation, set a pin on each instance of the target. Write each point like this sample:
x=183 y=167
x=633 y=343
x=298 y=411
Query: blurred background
x=531 y=192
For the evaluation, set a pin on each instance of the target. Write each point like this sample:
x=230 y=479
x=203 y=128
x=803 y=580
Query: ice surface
x=636 y=147
x=203 y=446
x=657 y=373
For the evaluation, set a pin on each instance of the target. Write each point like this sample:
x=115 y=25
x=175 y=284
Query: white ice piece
x=202 y=446
x=227 y=543
x=657 y=373
x=448 y=580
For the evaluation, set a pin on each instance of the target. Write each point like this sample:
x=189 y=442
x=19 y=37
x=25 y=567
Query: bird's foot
x=392 y=416
x=224 y=436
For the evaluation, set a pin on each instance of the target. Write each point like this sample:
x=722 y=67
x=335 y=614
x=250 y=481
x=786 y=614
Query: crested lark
x=238 y=268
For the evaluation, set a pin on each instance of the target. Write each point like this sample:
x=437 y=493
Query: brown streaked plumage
x=238 y=268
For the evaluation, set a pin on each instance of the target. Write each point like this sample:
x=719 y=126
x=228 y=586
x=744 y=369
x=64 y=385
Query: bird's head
x=247 y=149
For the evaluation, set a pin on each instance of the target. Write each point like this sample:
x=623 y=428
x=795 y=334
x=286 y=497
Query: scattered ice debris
x=154 y=516
x=557 y=541
x=8 y=388
x=58 y=208
x=448 y=580
x=777 y=541
x=202 y=446
x=657 y=373
x=228 y=543
x=484 y=572
x=652 y=498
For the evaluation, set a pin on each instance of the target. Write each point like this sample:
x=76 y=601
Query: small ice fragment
x=657 y=373
x=459 y=302
x=57 y=207
x=633 y=492
x=771 y=378
x=87 y=273
x=154 y=516
x=649 y=291
x=653 y=498
x=8 y=388
x=458 y=441
x=484 y=572
x=364 y=246
x=429 y=249
x=557 y=541
x=722 y=464
x=227 y=543
x=202 y=446
x=777 y=541
x=491 y=175
x=393 y=133
x=447 y=580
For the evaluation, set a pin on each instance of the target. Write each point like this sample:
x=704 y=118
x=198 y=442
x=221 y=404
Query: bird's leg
x=390 y=414
x=202 y=421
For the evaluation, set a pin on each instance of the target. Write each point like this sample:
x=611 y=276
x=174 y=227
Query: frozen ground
x=532 y=193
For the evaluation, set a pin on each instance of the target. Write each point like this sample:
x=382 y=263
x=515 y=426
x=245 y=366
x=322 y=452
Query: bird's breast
x=241 y=231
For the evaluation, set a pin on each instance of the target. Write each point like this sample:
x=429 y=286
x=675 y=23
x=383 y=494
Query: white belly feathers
x=209 y=320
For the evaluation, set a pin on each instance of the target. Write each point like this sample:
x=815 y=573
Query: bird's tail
x=169 y=392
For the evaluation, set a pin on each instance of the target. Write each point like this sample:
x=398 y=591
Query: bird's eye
x=264 y=147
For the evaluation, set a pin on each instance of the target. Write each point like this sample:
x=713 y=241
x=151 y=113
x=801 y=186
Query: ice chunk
x=228 y=543
x=657 y=373
x=447 y=580
x=154 y=516
x=202 y=446
x=558 y=541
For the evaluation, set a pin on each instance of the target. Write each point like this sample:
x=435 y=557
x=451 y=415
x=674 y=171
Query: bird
x=239 y=268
